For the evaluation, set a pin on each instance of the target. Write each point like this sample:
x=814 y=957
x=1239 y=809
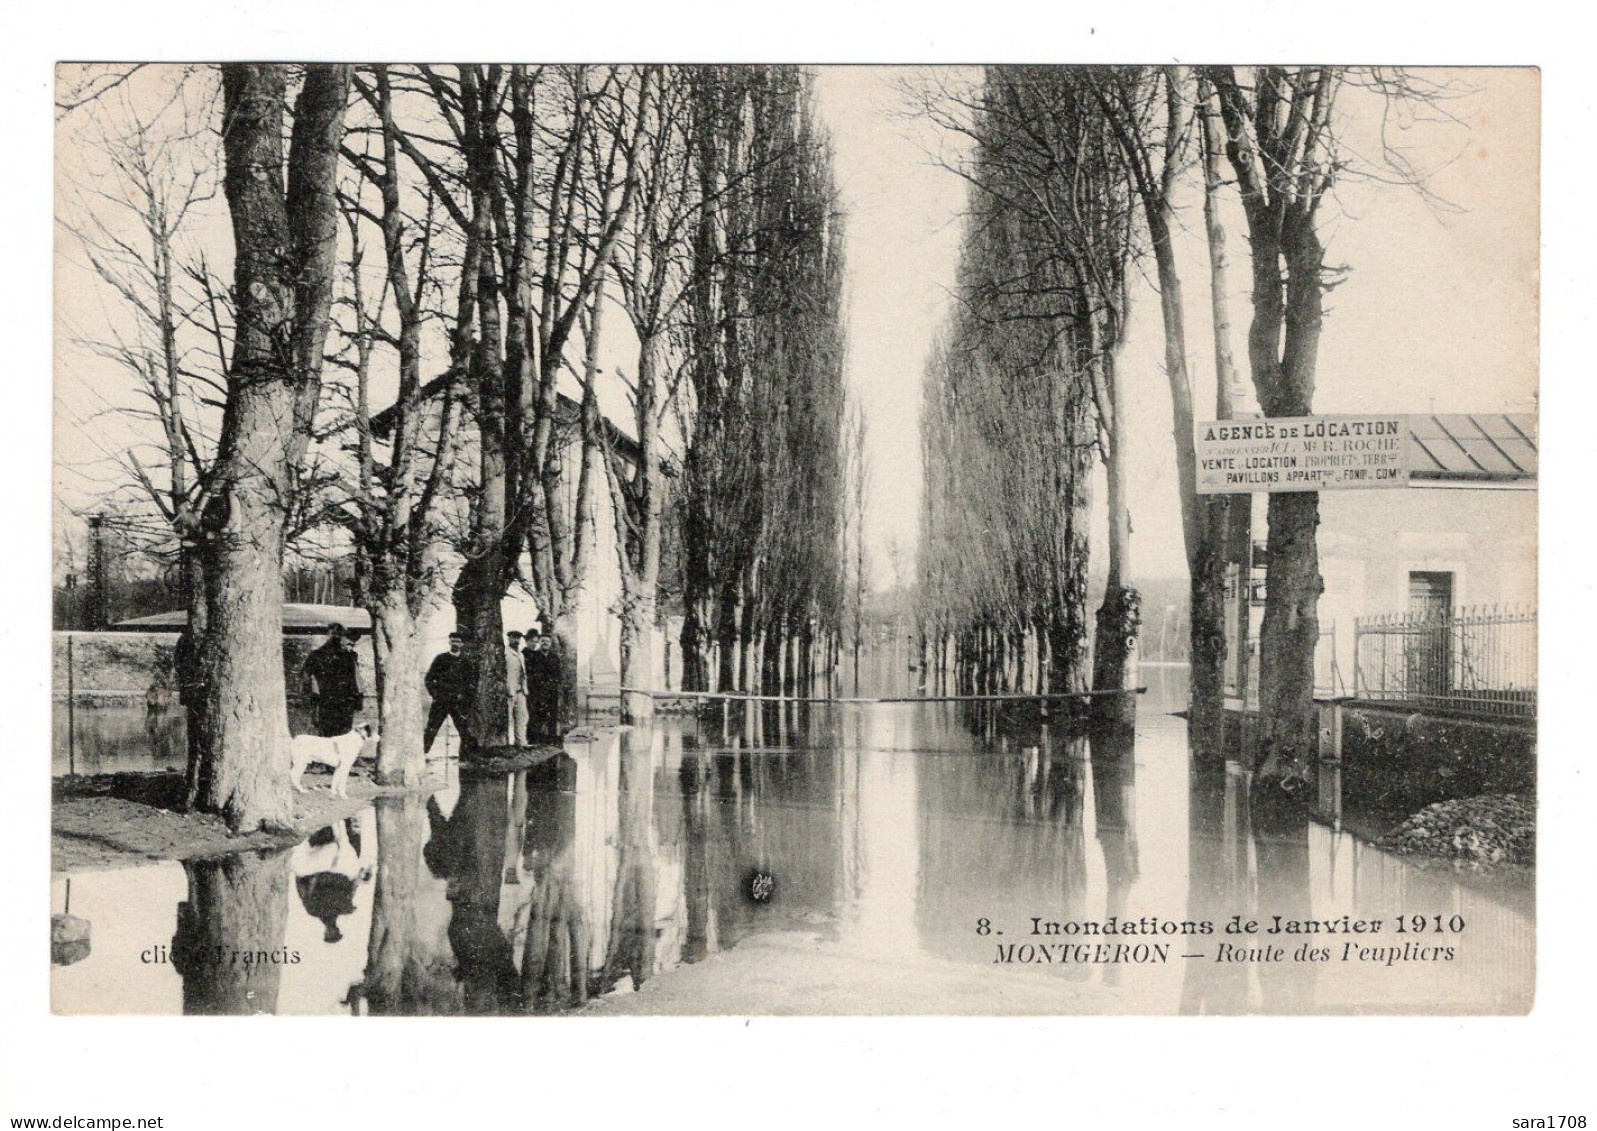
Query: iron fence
x=1479 y=660
x=1328 y=676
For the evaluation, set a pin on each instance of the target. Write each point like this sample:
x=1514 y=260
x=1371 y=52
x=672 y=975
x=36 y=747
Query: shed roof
x=298 y=620
x=1491 y=447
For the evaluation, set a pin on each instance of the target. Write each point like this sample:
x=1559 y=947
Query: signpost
x=1301 y=453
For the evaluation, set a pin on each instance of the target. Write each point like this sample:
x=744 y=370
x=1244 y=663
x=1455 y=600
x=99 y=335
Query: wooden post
x=72 y=708
x=1331 y=731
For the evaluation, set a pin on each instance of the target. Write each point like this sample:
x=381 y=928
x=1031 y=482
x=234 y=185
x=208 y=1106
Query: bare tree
x=652 y=272
x=285 y=239
x=395 y=512
x=1282 y=150
x=1023 y=388
x=540 y=193
x=1224 y=518
x=762 y=492
x=130 y=221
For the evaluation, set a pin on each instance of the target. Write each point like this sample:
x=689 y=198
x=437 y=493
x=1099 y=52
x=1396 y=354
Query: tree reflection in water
x=889 y=832
x=1243 y=858
x=228 y=945
x=1004 y=830
x=400 y=977
x=631 y=949
x=1114 y=797
x=469 y=854
x=1281 y=847
x=701 y=856
x=555 y=964
x=1221 y=882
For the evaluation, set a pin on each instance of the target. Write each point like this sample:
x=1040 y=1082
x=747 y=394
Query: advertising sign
x=1301 y=453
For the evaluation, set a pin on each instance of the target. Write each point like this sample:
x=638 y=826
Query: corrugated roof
x=1493 y=447
x=297 y=619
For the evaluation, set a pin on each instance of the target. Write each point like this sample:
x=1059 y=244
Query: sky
x=1438 y=312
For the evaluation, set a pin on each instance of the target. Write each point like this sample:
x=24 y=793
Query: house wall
x=1370 y=541
x=598 y=627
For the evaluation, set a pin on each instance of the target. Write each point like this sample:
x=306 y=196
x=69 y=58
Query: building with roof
x=1430 y=588
x=595 y=619
x=298 y=620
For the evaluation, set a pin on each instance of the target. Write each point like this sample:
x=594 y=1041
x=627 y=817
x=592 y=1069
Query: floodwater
x=880 y=859
x=113 y=739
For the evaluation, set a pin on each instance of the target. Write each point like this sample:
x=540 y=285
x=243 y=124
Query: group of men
x=532 y=684
x=532 y=671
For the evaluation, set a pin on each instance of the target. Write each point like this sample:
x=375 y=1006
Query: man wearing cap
x=516 y=688
x=452 y=682
x=332 y=681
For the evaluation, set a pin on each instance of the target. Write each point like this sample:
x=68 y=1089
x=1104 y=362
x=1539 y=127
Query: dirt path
x=123 y=820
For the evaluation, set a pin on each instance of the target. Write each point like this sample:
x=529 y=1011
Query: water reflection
x=890 y=833
x=401 y=976
x=228 y=946
x=113 y=739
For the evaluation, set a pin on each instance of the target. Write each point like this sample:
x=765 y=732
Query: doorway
x=1429 y=654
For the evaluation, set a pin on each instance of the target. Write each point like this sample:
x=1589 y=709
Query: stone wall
x=116 y=666
x=1400 y=761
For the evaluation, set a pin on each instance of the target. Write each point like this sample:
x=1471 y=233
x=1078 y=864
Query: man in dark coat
x=452 y=682
x=332 y=676
x=543 y=687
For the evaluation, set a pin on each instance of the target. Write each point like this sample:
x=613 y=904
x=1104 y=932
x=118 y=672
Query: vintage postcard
x=715 y=539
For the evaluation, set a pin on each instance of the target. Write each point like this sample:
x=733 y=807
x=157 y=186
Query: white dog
x=339 y=752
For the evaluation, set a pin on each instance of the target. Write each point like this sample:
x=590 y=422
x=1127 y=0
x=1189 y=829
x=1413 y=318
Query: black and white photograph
x=776 y=539
x=796 y=565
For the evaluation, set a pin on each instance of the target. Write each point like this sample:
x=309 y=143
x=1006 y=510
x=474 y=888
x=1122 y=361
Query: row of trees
x=763 y=514
x=409 y=362
x=1074 y=175
x=1022 y=393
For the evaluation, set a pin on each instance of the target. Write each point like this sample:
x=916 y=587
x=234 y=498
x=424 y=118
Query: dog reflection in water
x=339 y=752
x=329 y=869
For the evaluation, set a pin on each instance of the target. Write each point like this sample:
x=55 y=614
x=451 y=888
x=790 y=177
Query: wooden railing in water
x=738 y=696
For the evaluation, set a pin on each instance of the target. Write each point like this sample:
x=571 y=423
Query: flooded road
x=890 y=858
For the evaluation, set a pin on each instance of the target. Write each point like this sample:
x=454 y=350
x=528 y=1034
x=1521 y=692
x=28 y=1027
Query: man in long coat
x=332 y=676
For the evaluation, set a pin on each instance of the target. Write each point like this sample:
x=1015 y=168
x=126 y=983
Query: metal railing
x=1478 y=660
x=1328 y=676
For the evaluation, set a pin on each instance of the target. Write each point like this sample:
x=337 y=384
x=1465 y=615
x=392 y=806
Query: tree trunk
x=1289 y=636
x=283 y=283
x=194 y=699
x=1283 y=351
x=245 y=775
x=640 y=568
x=400 y=758
x=477 y=599
x=395 y=972
x=637 y=656
x=237 y=906
x=1207 y=655
x=1120 y=615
